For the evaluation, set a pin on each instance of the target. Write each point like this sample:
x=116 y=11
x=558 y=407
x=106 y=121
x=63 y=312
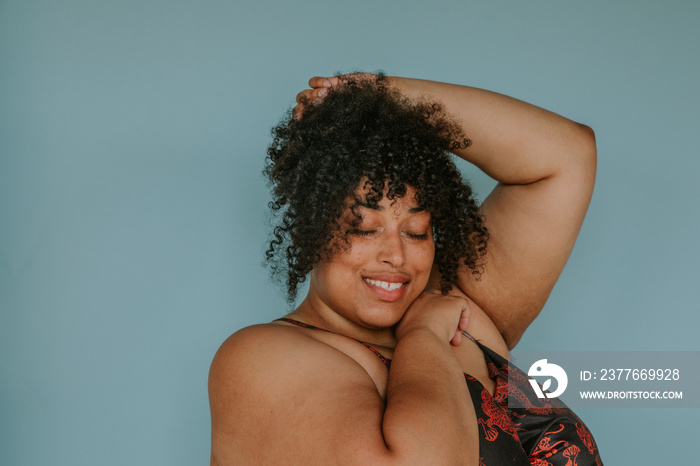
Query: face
x=386 y=267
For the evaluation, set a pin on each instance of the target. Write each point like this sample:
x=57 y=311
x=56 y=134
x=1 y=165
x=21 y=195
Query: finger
x=464 y=317
x=318 y=82
x=305 y=96
x=319 y=93
x=456 y=339
x=464 y=320
x=311 y=95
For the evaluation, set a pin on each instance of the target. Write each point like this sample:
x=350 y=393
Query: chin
x=381 y=317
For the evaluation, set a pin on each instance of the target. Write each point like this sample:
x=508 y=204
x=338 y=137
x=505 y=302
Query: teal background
x=132 y=209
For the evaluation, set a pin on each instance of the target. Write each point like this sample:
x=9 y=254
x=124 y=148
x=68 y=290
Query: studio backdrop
x=133 y=212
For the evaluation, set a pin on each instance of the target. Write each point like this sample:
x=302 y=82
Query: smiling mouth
x=388 y=286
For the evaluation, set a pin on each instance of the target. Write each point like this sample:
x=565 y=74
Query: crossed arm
x=278 y=396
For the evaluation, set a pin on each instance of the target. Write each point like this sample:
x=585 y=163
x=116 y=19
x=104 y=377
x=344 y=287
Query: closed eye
x=358 y=232
x=362 y=232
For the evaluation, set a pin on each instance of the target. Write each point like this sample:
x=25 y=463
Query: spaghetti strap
x=471 y=338
x=386 y=361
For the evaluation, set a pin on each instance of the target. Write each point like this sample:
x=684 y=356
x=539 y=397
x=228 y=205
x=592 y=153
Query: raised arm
x=545 y=165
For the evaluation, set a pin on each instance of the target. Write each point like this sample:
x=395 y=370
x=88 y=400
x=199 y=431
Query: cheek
x=350 y=262
x=360 y=252
x=424 y=255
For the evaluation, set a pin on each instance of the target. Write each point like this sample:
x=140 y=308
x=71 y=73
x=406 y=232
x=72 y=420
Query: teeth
x=385 y=285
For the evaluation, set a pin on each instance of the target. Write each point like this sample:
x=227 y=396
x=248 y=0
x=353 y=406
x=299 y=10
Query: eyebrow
x=379 y=208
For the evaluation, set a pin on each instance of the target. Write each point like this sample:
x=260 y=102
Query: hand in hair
x=319 y=87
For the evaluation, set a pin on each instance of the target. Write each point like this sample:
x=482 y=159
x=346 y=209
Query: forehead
x=406 y=204
x=397 y=205
x=365 y=187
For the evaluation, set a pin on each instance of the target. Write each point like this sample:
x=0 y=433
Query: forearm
x=428 y=407
x=511 y=141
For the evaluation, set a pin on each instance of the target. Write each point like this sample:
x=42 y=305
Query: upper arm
x=277 y=398
x=532 y=229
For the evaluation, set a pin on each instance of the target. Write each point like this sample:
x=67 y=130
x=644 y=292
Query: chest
x=469 y=355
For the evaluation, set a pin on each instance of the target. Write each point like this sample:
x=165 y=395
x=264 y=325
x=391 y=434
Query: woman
x=401 y=262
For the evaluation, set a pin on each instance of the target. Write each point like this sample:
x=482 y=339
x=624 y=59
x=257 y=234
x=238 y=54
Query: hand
x=319 y=89
x=445 y=315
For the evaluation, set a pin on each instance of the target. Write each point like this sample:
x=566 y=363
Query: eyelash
x=362 y=232
x=424 y=236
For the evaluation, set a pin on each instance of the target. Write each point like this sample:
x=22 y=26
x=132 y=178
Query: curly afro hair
x=365 y=130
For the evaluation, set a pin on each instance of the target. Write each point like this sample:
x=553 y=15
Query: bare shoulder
x=260 y=351
x=256 y=361
x=279 y=396
x=252 y=347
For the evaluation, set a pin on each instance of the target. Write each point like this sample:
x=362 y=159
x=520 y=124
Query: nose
x=391 y=249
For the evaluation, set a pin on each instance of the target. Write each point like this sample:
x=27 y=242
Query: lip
x=388 y=277
x=386 y=295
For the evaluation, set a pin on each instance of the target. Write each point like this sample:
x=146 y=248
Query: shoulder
x=272 y=381
x=250 y=341
x=255 y=357
x=260 y=348
x=250 y=351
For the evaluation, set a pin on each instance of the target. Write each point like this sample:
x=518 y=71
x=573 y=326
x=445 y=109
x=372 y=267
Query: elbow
x=576 y=167
x=587 y=142
x=587 y=130
x=586 y=153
